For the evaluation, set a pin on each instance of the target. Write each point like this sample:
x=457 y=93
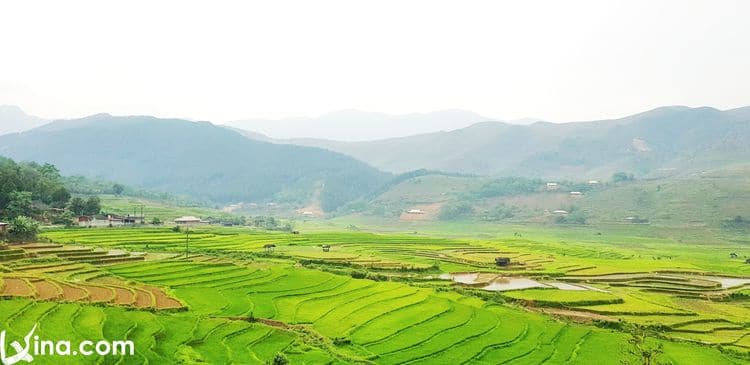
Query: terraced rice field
x=234 y=302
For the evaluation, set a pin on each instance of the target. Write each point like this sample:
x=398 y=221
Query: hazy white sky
x=221 y=60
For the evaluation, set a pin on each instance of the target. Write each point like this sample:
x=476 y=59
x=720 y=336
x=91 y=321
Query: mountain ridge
x=14 y=120
x=338 y=125
x=193 y=158
x=670 y=136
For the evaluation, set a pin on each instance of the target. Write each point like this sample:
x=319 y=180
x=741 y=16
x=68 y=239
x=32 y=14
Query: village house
x=326 y=248
x=270 y=247
x=188 y=219
x=133 y=219
x=415 y=211
x=576 y=193
x=552 y=186
x=3 y=227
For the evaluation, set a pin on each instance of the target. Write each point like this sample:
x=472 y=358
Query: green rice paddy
x=377 y=298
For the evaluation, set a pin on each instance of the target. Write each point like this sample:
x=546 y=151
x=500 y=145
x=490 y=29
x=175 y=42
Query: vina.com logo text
x=33 y=347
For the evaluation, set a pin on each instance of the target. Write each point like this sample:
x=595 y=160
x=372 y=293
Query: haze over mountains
x=13 y=120
x=355 y=125
x=674 y=137
x=194 y=158
x=223 y=164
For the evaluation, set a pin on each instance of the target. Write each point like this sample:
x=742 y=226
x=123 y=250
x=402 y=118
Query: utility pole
x=187 y=241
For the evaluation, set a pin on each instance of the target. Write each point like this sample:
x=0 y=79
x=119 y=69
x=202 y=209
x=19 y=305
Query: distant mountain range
x=675 y=138
x=225 y=164
x=194 y=158
x=355 y=125
x=13 y=120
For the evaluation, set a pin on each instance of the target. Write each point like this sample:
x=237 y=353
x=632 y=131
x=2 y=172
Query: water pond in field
x=501 y=284
x=726 y=282
x=495 y=282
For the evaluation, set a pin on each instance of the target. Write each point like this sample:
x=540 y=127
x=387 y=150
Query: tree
x=77 y=205
x=156 y=221
x=641 y=348
x=65 y=218
x=93 y=205
x=118 y=189
x=22 y=229
x=19 y=204
x=60 y=197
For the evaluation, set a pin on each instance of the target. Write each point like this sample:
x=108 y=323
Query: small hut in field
x=326 y=248
x=269 y=247
x=502 y=261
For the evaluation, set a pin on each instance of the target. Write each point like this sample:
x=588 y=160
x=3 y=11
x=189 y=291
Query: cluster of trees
x=26 y=190
x=508 y=186
x=457 y=210
x=501 y=212
x=26 y=186
x=270 y=223
x=89 y=206
x=622 y=177
x=574 y=216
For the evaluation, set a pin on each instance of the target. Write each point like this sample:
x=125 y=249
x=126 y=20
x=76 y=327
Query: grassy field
x=124 y=205
x=390 y=297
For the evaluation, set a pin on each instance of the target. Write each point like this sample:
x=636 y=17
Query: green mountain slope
x=669 y=137
x=194 y=158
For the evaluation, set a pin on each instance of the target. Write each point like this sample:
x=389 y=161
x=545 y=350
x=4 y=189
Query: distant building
x=415 y=211
x=307 y=213
x=576 y=193
x=269 y=247
x=326 y=248
x=560 y=212
x=733 y=255
x=593 y=182
x=84 y=220
x=3 y=227
x=188 y=219
x=552 y=186
x=132 y=219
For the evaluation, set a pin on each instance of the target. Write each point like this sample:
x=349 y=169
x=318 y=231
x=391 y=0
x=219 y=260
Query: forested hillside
x=194 y=158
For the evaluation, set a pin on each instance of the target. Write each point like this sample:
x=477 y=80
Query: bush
x=279 y=359
x=22 y=229
x=574 y=217
x=622 y=177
